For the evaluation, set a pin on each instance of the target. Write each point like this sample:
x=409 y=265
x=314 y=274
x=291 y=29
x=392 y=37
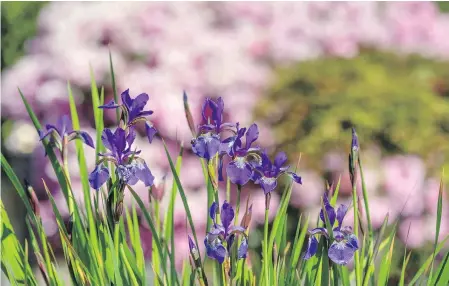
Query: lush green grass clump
x=103 y=250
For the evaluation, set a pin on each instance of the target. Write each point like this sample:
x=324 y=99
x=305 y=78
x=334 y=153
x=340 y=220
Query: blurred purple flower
x=344 y=243
x=63 y=131
x=133 y=111
x=220 y=238
x=243 y=158
x=267 y=174
x=129 y=167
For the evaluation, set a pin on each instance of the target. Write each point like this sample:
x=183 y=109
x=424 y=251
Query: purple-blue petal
x=110 y=105
x=143 y=173
x=268 y=184
x=98 y=177
x=239 y=172
x=120 y=140
x=206 y=145
x=227 y=215
x=215 y=250
x=126 y=99
x=64 y=125
x=251 y=135
x=341 y=213
x=213 y=210
x=295 y=177
x=243 y=249
x=191 y=243
x=330 y=213
x=352 y=242
x=108 y=140
x=340 y=253
x=150 y=130
x=312 y=247
x=85 y=137
x=280 y=159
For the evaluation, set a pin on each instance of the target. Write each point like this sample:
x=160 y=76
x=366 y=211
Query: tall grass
x=99 y=253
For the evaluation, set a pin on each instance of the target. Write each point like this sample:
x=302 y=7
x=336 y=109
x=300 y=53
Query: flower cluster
x=62 y=133
x=246 y=162
x=343 y=243
x=220 y=238
x=130 y=168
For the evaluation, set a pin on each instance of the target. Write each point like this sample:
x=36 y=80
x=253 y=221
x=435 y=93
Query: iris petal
x=341 y=213
x=239 y=171
x=110 y=105
x=340 y=252
x=251 y=135
x=98 y=177
x=243 y=249
x=150 y=130
x=227 y=215
x=143 y=173
x=85 y=137
x=312 y=247
x=280 y=159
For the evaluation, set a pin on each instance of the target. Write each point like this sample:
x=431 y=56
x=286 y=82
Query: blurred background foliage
x=389 y=98
x=18 y=24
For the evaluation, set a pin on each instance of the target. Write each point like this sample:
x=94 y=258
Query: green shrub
x=400 y=103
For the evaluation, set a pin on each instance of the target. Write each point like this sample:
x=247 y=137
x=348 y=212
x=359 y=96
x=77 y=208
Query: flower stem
x=237 y=207
x=67 y=175
x=265 y=255
x=356 y=232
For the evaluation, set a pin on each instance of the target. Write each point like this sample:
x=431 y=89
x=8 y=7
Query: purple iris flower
x=344 y=242
x=207 y=144
x=267 y=174
x=244 y=158
x=133 y=111
x=63 y=131
x=219 y=240
x=129 y=167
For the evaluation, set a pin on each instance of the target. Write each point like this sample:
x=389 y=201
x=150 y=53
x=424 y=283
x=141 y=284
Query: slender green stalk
x=265 y=253
x=357 y=268
x=237 y=206
x=67 y=174
x=228 y=189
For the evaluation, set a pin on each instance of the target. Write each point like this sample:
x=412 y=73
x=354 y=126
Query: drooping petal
x=206 y=145
x=236 y=229
x=319 y=230
x=215 y=250
x=150 y=130
x=98 y=177
x=352 y=242
x=227 y=215
x=268 y=184
x=239 y=171
x=330 y=211
x=340 y=252
x=280 y=159
x=251 y=135
x=143 y=173
x=110 y=105
x=213 y=210
x=341 y=213
x=243 y=249
x=44 y=134
x=85 y=137
x=126 y=173
x=312 y=247
x=295 y=177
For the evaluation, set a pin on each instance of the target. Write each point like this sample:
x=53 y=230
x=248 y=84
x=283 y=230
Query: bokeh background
x=305 y=72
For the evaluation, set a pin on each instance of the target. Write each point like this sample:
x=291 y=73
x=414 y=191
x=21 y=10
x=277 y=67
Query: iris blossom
x=343 y=244
x=62 y=132
x=219 y=240
x=129 y=167
x=133 y=112
x=243 y=157
x=207 y=144
x=267 y=174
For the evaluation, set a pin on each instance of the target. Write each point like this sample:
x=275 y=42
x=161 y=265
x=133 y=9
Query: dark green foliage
x=400 y=103
x=19 y=23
